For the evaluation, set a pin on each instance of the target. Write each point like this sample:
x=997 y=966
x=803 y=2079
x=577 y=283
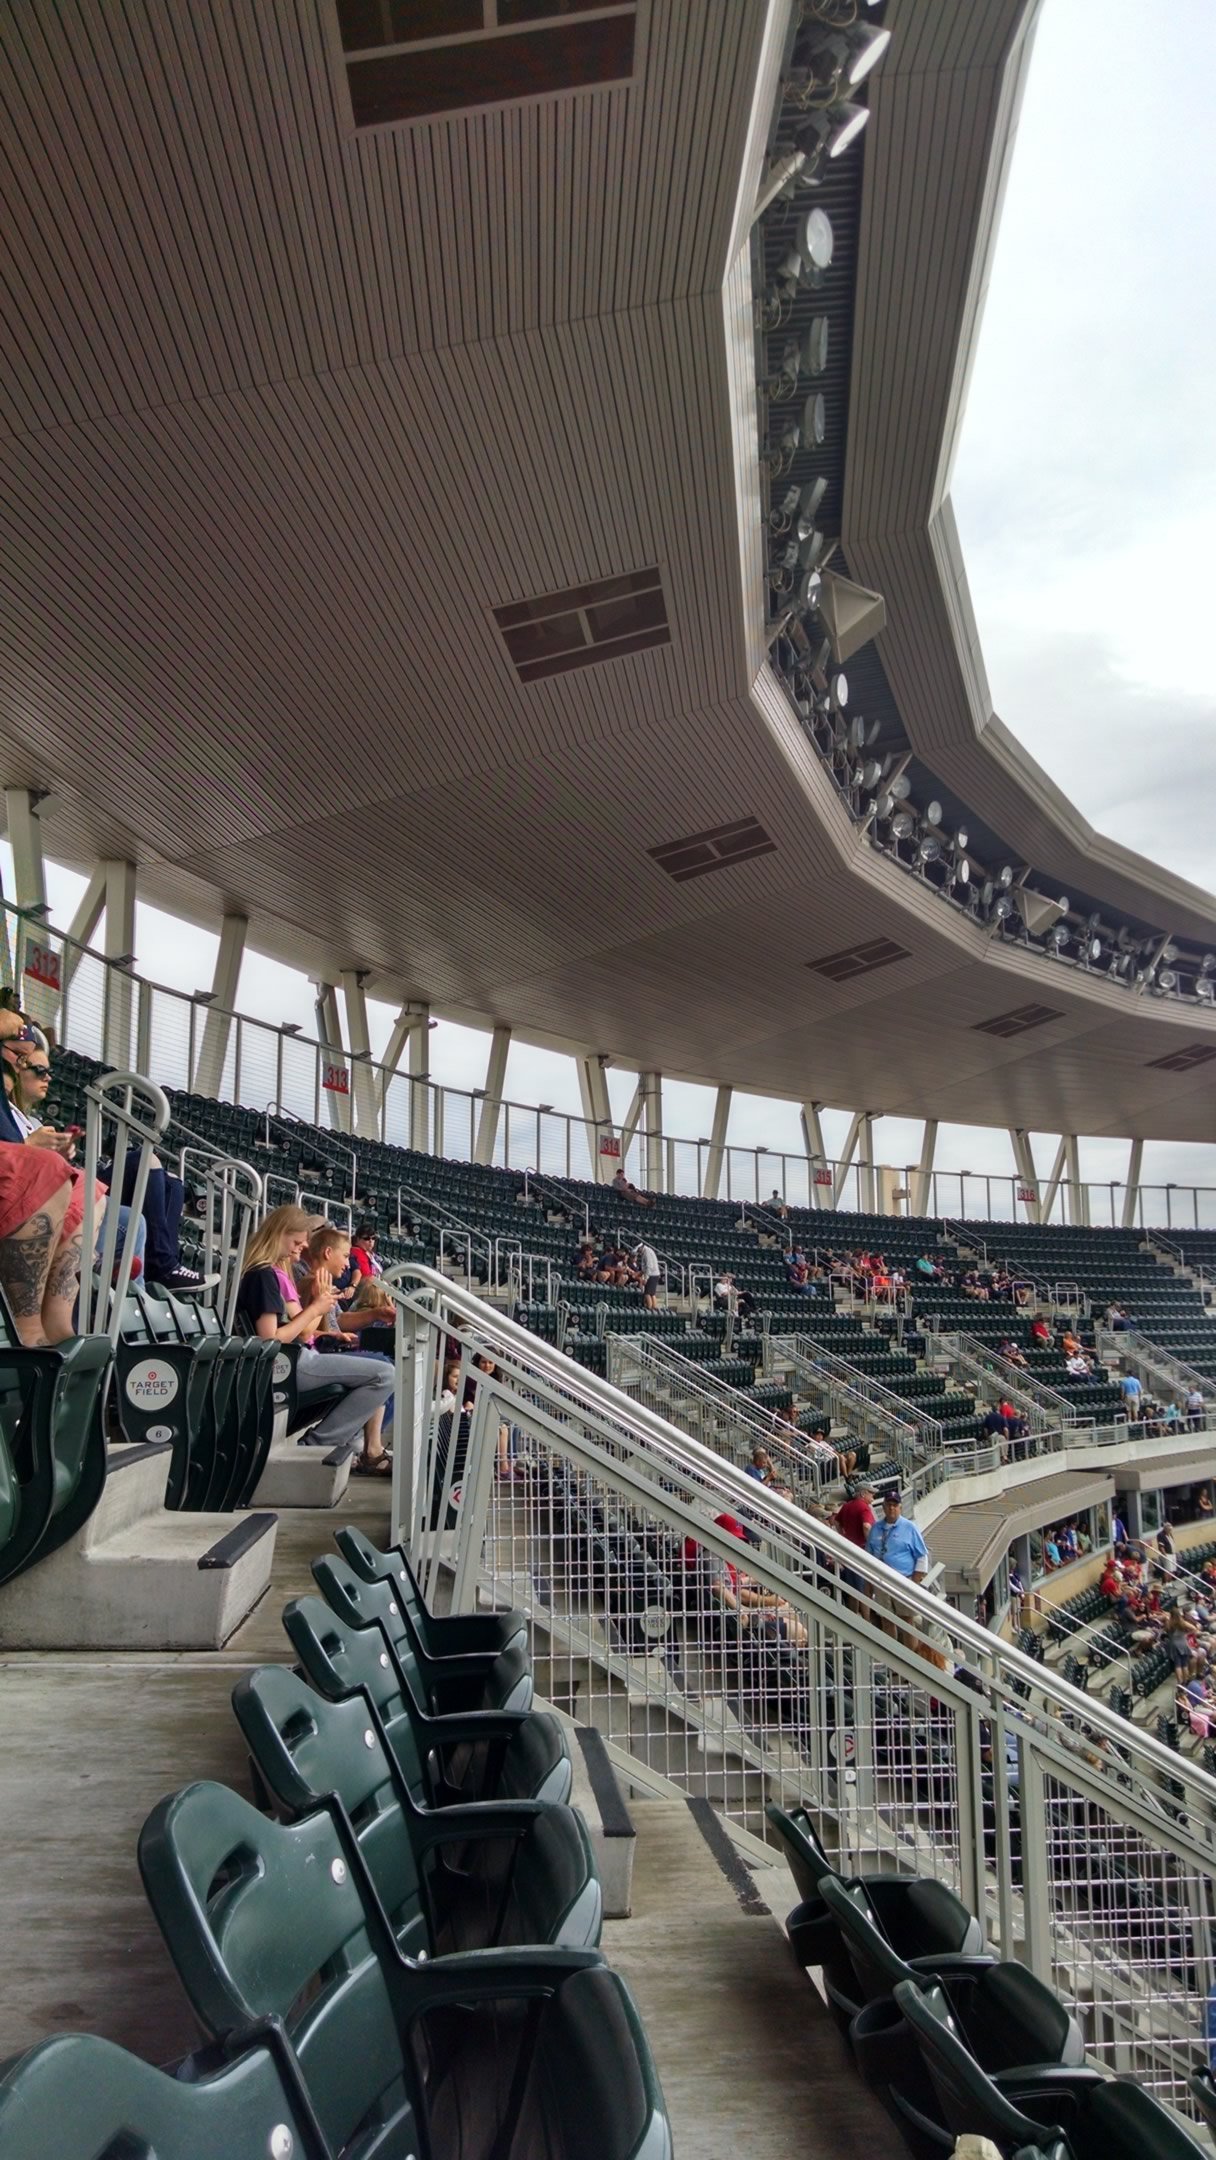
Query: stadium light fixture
x=813 y=352
x=850 y=53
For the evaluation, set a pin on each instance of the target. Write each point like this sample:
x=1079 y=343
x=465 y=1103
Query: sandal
x=372 y=1466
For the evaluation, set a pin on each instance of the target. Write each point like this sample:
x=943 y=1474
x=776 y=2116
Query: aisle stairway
x=750 y=2060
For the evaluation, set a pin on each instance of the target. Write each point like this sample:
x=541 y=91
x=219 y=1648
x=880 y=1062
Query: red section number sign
x=42 y=965
x=336 y=1079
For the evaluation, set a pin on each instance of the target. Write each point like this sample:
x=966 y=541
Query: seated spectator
x=760 y=1467
x=586 y=1267
x=371 y=1306
x=797 y=1270
x=971 y=1286
x=1203 y=1506
x=1111 y=1583
x=646 y=1265
x=1070 y=1344
x=777 y=1206
x=1040 y=1333
x=926 y=1268
x=1051 y=1553
x=1078 y=1366
x=1066 y=1539
x=1008 y=1350
x=628 y=1191
x=364 y=1258
x=1117 y=1319
x=269 y=1305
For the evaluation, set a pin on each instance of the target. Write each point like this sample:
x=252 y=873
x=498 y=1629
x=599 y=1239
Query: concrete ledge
x=598 y=1797
x=137 y=1577
x=301 y=1477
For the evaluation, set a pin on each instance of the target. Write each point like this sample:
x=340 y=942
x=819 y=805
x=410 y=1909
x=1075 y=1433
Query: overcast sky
x=1085 y=488
x=1085 y=484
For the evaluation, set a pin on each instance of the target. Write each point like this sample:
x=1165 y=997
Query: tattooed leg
x=62 y=1285
x=25 y=1262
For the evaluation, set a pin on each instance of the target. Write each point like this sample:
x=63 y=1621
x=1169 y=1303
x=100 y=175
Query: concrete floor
x=749 y=2058
x=88 y=1744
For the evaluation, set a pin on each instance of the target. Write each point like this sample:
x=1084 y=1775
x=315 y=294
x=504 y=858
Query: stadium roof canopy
x=303 y=405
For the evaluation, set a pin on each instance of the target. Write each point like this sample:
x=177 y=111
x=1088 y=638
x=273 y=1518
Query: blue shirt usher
x=900 y=1544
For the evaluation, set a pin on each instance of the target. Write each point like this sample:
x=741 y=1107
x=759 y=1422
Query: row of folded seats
x=396 y=1951
x=52 y=1442
x=214 y=1397
x=952 y=2040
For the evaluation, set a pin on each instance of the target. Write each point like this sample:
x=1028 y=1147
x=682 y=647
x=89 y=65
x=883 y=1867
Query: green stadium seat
x=1070 y=2113
x=454 y=1878
x=52 y=1442
x=481 y=1680
x=476 y=1755
x=918 y=1916
x=1007 y=2016
x=80 y=2098
x=444 y=1635
x=525 y=2051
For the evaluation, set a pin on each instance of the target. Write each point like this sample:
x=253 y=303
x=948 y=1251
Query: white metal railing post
x=138 y=1111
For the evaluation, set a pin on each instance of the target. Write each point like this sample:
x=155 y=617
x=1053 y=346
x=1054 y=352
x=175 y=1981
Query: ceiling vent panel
x=1019 y=1021
x=418 y=59
x=857 y=960
x=716 y=849
x=585 y=624
x=1183 y=1061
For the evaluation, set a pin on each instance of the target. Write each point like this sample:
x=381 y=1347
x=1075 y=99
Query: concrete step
x=137 y=1577
x=296 y=1477
x=747 y=2053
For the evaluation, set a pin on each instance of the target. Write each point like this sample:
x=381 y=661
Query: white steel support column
x=868 y=1180
x=363 y=1079
x=633 y=1116
x=711 y=1181
x=29 y=893
x=1053 y=1182
x=1080 y=1194
x=491 y=1101
x=918 y=1203
x=25 y=839
x=119 y=945
x=1023 y=1162
x=84 y=922
x=846 y=1155
x=420 y=1074
x=329 y=1028
x=812 y=1140
x=1131 y=1197
x=217 y=1027
x=597 y=1113
x=652 y=1088
x=406 y=1020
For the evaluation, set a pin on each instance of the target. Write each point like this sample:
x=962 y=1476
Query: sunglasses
x=40 y=1072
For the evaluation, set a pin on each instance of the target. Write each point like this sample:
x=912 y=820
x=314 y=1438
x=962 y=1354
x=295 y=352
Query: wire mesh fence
x=724 y=1640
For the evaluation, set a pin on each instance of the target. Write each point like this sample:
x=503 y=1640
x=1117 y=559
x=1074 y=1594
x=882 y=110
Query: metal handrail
x=1054 y=1407
x=1125 y=1343
x=637 y=1356
x=345 y=1157
x=644 y=1452
x=135 y=1110
x=549 y=1188
x=928 y=1429
x=968 y=1352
